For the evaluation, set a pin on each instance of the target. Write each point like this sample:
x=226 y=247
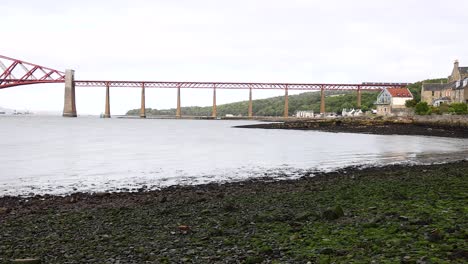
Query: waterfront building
x=391 y=101
x=305 y=114
x=454 y=91
x=351 y=112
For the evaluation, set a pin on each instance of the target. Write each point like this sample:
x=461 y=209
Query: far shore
x=380 y=126
x=439 y=126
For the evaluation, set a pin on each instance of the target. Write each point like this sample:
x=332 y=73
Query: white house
x=392 y=100
x=305 y=114
x=351 y=112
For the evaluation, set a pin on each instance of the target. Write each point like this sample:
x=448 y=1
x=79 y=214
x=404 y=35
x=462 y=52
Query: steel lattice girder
x=29 y=73
x=239 y=85
x=35 y=74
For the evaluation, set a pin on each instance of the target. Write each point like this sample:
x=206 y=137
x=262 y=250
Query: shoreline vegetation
x=391 y=214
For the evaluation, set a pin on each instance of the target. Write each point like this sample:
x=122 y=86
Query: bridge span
x=17 y=72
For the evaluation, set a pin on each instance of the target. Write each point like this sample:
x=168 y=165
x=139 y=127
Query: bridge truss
x=15 y=72
x=239 y=85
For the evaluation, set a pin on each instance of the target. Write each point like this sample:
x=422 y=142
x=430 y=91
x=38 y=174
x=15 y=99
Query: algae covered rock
x=333 y=213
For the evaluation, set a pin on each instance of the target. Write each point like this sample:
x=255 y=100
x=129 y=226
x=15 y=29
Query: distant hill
x=335 y=101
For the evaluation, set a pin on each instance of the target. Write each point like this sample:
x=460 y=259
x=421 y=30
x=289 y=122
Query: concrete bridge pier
x=322 y=100
x=250 y=103
x=359 y=97
x=286 y=102
x=69 y=105
x=107 y=110
x=178 y=111
x=143 y=109
x=214 y=112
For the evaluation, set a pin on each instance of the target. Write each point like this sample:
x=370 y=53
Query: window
x=432 y=93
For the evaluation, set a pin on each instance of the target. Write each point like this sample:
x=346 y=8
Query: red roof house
x=392 y=100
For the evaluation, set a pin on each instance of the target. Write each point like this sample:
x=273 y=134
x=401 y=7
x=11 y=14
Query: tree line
x=335 y=101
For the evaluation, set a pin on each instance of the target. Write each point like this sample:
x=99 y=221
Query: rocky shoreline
x=371 y=126
x=398 y=213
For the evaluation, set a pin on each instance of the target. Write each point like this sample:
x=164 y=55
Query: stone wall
x=454 y=120
x=384 y=110
x=466 y=95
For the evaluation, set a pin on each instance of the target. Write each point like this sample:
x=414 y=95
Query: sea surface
x=55 y=155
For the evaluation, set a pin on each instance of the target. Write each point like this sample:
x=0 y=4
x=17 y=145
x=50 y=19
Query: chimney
x=456 y=64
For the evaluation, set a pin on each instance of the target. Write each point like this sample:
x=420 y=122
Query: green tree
x=422 y=108
x=346 y=105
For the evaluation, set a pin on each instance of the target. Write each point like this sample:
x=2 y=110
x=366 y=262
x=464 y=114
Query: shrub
x=458 y=108
x=422 y=108
x=410 y=103
x=435 y=110
x=444 y=108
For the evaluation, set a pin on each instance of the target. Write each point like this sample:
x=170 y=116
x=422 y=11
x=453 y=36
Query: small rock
x=326 y=251
x=333 y=213
x=459 y=254
x=435 y=235
x=294 y=237
x=101 y=194
x=422 y=260
x=27 y=261
x=4 y=210
x=184 y=229
x=406 y=259
x=403 y=218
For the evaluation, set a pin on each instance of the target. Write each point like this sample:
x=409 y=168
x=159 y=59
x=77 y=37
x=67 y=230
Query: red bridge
x=16 y=72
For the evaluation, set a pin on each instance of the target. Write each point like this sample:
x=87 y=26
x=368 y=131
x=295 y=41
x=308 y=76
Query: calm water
x=60 y=155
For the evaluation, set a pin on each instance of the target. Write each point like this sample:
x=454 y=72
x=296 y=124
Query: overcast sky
x=333 y=41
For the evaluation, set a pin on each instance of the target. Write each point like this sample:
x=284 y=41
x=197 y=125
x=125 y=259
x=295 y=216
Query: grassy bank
x=387 y=215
